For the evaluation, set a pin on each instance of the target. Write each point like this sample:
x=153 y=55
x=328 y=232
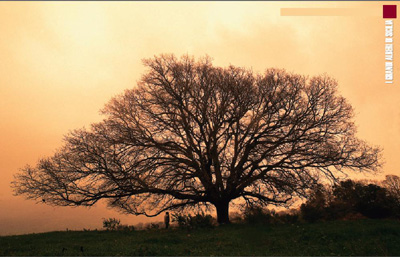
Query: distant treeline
x=354 y=199
x=345 y=200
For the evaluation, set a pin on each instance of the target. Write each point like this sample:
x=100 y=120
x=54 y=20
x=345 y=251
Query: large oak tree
x=191 y=134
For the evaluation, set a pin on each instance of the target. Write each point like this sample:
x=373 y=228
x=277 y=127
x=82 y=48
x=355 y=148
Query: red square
x=389 y=11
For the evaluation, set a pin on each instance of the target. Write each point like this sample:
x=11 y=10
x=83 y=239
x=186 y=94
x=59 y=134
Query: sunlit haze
x=62 y=61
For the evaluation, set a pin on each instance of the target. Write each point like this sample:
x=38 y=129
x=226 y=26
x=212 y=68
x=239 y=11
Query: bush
x=111 y=223
x=315 y=207
x=199 y=220
x=312 y=213
x=350 y=200
x=287 y=218
x=126 y=228
x=153 y=226
x=257 y=214
x=371 y=201
x=236 y=217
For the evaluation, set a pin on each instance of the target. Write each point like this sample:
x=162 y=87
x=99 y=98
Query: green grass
x=362 y=237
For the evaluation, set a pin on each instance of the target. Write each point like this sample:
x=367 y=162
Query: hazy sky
x=62 y=61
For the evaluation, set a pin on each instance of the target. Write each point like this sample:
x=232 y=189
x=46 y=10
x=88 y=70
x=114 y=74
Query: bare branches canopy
x=191 y=133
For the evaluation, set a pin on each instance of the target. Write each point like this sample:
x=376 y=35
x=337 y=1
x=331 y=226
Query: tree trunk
x=222 y=212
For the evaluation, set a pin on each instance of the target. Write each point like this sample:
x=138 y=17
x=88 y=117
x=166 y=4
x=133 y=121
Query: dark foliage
x=126 y=228
x=258 y=214
x=199 y=220
x=316 y=206
x=351 y=200
x=370 y=200
x=114 y=224
x=153 y=226
x=392 y=184
x=111 y=223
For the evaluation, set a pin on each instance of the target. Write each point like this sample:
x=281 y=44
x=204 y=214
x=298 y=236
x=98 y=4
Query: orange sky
x=62 y=61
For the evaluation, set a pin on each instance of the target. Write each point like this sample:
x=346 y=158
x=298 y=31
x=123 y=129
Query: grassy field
x=362 y=237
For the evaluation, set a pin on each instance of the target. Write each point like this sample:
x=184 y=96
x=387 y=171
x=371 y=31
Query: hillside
x=362 y=237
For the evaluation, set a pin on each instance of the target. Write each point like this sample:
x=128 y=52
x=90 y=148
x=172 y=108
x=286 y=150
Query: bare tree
x=192 y=134
x=392 y=184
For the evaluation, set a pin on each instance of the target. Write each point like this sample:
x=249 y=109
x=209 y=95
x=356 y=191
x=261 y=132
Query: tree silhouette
x=392 y=184
x=192 y=134
x=370 y=200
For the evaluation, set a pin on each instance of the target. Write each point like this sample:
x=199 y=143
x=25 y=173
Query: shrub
x=199 y=220
x=350 y=200
x=126 y=228
x=287 y=218
x=370 y=200
x=111 y=223
x=315 y=207
x=153 y=226
x=257 y=214
x=236 y=217
x=140 y=226
x=312 y=213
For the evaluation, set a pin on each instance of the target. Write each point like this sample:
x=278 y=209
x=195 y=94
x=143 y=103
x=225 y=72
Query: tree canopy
x=351 y=199
x=192 y=134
